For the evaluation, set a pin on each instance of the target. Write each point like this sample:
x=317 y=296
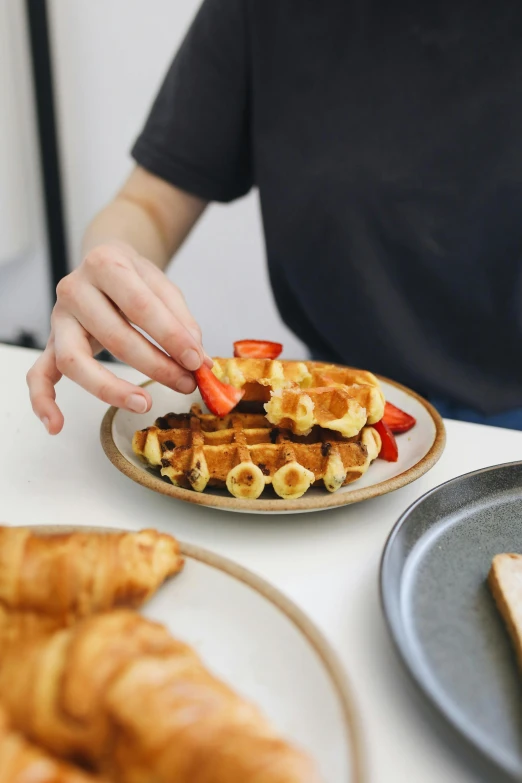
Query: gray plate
x=441 y=615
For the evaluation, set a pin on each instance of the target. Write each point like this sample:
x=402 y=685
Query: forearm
x=127 y=223
x=148 y=214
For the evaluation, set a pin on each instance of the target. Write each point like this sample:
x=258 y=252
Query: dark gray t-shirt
x=385 y=139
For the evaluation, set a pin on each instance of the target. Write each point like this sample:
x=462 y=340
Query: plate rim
x=305 y=503
x=336 y=672
x=400 y=645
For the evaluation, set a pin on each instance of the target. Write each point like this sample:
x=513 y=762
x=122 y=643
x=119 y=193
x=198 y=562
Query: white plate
x=264 y=648
x=267 y=650
x=419 y=450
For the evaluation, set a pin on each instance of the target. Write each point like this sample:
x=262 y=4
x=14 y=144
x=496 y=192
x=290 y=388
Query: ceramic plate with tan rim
x=419 y=450
x=267 y=650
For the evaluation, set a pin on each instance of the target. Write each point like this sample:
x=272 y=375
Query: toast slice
x=505 y=583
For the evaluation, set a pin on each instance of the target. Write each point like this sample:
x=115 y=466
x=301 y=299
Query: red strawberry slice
x=257 y=349
x=397 y=420
x=219 y=397
x=389 y=450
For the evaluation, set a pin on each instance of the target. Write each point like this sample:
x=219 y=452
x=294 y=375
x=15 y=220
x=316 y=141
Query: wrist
x=117 y=244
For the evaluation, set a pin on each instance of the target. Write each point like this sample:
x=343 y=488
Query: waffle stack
x=245 y=452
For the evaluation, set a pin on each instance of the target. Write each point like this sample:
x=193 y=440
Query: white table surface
x=327 y=562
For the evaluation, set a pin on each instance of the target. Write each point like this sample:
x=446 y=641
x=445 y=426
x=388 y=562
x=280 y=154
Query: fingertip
x=53 y=422
x=196 y=333
x=186 y=384
x=138 y=402
x=190 y=360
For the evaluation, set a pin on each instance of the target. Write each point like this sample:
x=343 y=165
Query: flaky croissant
x=118 y=692
x=73 y=575
x=23 y=762
x=20 y=626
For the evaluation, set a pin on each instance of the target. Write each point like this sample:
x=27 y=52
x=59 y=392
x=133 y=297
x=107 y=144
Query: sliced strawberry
x=219 y=397
x=397 y=420
x=257 y=349
x=389 y=450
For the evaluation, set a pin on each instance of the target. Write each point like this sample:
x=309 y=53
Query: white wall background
x=110 y=56
x=24 y=281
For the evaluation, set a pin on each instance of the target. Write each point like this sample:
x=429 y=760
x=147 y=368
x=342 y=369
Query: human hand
x=113 y=288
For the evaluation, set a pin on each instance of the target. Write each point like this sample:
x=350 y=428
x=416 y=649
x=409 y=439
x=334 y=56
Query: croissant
x=119 y=693
x=19 y=626
x=22 y=762
x=73 y=575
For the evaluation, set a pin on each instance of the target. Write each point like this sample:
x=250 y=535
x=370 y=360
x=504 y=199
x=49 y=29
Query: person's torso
x=387 y=147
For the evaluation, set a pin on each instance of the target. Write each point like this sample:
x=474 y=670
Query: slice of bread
x=505 y=583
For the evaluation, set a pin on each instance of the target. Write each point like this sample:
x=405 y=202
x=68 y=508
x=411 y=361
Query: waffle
x=258 y=377
x=301 y=395
x=343 y=409
x=245 y=453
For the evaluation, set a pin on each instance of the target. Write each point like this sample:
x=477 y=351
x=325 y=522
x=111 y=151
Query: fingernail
x=190 y=359
x=136 y=403
x=209 y=361
x=186 y=384
x=45 y=422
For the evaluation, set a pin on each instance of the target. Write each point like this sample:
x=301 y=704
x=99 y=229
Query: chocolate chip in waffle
x=245 y=453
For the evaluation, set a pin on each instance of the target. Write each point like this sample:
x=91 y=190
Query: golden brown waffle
x=301 y=395
x=259 y=376
x=245 y=453
x=339 y=408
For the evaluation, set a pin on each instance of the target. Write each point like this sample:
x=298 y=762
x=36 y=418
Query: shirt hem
x=183 y=177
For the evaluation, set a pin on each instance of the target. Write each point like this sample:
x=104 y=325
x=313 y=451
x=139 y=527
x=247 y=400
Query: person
x=385 y=139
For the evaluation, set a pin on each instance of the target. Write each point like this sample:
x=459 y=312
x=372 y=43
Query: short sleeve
x=197 y=133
